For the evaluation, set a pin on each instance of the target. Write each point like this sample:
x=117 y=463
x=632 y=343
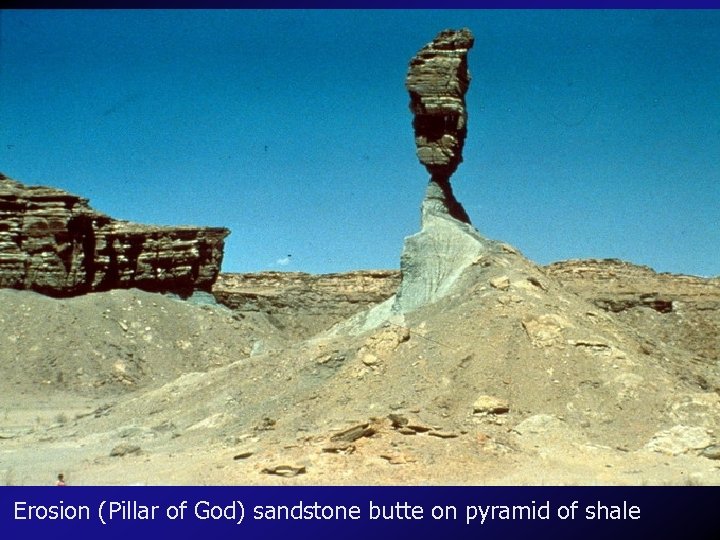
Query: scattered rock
x=482 y=438
x=266 y=424
x=370 y=359
x=125 y=449
x=242 y=455
x=286 y=471
x=679 y=440
x=397 y=421
x=339 y=447
x=539 y=424
x=502 y=283
x=546 y=330
x=398 y=459
x=537 y=283
x=419 y=428
x=332 y=360
x=354 y=433
x=490 y=405
x=443 y=434
x=711 y=452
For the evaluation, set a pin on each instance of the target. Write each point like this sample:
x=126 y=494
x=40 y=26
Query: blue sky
x=591 y=133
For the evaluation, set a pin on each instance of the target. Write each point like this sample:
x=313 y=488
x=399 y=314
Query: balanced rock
x=447 y=244
x=437 y=80
x=52 y=242
x=434 y=259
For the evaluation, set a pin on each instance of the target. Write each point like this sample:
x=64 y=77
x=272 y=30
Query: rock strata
x=304 y=304
x=437 y=80
x=677 y=309
x=434 y=258
x=53 y=242
x=447 y=244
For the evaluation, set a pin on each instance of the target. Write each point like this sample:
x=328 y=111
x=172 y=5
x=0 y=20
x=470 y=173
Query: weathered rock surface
x=447 y=244
x=437 y=80
x=683 y=311
x=52 y=242
x=679 y=439
x=434 y=258
x=304 y=304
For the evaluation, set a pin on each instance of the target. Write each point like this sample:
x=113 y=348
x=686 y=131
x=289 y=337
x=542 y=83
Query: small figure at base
x=60 y=480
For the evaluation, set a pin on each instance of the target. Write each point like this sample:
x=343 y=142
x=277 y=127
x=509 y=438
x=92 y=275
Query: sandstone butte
x=54 y=243
x=437 y=80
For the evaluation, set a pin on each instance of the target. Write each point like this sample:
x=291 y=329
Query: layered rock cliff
x=301 y=305
x=676 y=310
x=53 y=242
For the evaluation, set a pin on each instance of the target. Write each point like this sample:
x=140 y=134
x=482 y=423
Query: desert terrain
x=581 y=372
x=128 y=358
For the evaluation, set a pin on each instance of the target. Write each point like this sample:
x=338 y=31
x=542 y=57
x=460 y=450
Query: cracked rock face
x=52 y=242
x=437 y=81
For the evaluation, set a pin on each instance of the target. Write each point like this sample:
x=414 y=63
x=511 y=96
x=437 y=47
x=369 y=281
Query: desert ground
x=581 y=372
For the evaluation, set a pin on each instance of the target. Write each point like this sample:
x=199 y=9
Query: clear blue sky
x=591 y=133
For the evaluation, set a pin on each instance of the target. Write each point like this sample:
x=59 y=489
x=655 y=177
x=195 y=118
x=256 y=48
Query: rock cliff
x=676 y=310
x=300 y=304
x=53 y=242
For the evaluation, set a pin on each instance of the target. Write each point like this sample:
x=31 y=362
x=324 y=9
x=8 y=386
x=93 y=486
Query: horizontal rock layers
x=304 y=304
x=52 y=242
x=435 y=257
x=680 y=310
x=437 y=80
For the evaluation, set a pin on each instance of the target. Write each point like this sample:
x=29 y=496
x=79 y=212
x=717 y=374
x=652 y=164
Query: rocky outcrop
x=678 y=310
x=52 y=242
x=616 y=285
x=447 y=244
x=434 y=258
x=437 y=80
x=304 y=304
